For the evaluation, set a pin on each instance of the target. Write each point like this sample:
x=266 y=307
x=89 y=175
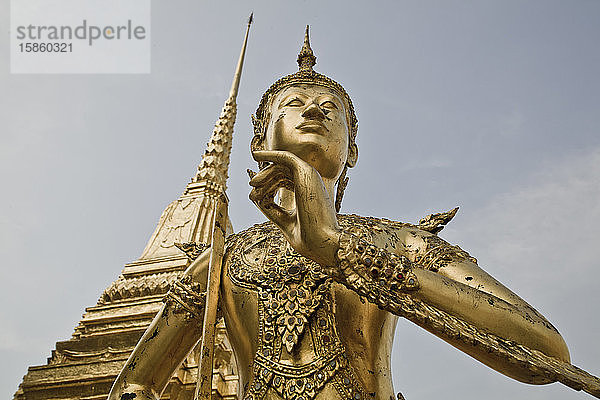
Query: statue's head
x=311 y=116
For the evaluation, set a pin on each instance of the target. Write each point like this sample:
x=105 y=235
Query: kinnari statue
x=310 y=299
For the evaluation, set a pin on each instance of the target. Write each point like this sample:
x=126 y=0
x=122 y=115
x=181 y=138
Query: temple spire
x=212 y=170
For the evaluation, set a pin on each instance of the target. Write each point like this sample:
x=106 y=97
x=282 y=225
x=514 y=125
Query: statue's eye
x=330 y=105
x=295 y=102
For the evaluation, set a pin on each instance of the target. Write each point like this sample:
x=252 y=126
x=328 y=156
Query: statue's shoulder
x=433 y=223
x=254 y=234
x=382 y=232
x=353 y=222
x=419 y=242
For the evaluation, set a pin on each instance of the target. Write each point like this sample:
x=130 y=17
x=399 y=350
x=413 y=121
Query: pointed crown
x=305 y=75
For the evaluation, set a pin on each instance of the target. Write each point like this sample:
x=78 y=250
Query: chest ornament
x=290 y=287
x=295 y=309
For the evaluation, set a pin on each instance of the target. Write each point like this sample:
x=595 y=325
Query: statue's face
x=310 y=121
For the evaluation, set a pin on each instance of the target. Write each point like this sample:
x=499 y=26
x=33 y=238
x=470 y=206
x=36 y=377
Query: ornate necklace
x=294 y=298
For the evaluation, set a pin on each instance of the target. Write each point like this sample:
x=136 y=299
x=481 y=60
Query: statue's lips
x=312 y=126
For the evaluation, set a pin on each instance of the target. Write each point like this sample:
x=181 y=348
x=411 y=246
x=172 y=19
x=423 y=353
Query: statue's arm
x=169 y=338
x=446 y=278
x=442 y=294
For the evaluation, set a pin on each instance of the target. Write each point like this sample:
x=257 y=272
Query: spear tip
x=238 y=72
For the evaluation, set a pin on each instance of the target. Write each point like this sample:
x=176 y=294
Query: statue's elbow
x=547 y=341
x=558 y=348
x=552 y=345
x=544 y=337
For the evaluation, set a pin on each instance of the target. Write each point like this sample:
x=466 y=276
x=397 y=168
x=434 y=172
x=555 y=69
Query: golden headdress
x=306 y=75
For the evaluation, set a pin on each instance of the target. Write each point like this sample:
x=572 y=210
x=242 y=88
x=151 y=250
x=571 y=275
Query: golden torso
x=296 y=334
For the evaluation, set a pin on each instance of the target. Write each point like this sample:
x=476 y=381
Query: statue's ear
x=352 y=155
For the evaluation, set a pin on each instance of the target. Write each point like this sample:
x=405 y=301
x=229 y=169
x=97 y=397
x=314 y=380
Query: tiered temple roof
x=84 y=366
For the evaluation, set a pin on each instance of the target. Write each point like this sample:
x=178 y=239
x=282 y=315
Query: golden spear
x=210 y=183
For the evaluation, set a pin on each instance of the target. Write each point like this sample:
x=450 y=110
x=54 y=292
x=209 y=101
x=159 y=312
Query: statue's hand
x=311 y=227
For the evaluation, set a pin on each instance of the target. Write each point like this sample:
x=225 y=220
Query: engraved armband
x=439 y=253
x=373 y=272
x=186 y=297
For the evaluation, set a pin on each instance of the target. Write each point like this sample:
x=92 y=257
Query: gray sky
x=489 y=105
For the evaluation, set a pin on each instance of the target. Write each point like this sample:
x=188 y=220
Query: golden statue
x=310 y=299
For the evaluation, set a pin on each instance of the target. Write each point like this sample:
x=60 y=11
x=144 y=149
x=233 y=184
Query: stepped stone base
x=85 y=366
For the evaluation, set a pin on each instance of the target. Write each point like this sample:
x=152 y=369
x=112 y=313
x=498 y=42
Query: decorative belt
x=306 y=381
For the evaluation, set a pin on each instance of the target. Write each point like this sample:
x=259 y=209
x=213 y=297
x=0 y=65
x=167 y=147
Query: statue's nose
x=313 y=111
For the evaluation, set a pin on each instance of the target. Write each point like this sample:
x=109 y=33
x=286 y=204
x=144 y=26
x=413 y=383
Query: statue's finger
x=265 y=191
x=286 y=158
x=279 y=216
x=270 y=173
x=255 y=195
x=264 y=199
x=271 y=186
